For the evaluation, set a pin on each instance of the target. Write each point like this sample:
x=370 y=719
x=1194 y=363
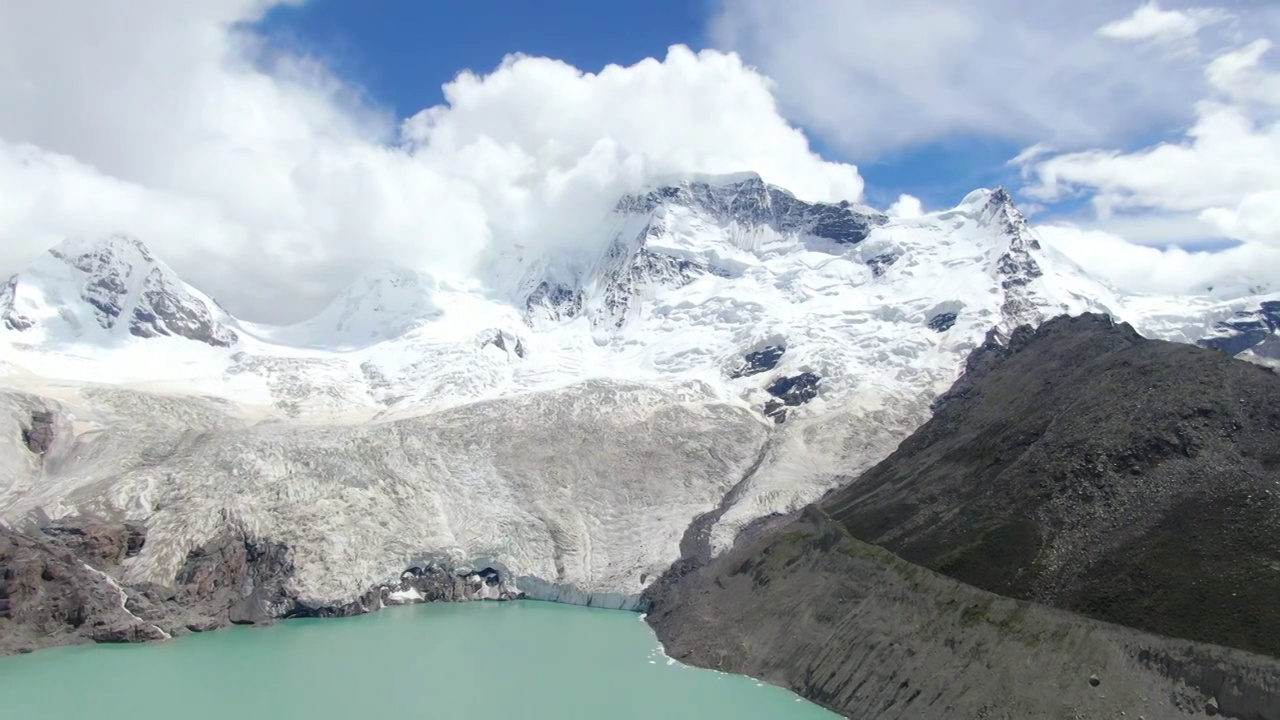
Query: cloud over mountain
x=269 y=181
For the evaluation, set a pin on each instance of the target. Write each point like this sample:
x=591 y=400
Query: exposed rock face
x=163 y=310
x=49 y=596
x=851 y=626
x=58 y=587
x=101 y=544
x=12 y=317
x=879 y=262
x=1016 y=267
x=629 y=268
x=758 y=361
x=554 y=301
x=790 y=392
x=506 y=342
x=121 y=284
x=942 y=322
x=1077 y=465
x=39 y=435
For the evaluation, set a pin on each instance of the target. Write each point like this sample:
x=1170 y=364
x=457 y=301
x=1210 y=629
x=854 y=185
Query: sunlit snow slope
x=568 y=423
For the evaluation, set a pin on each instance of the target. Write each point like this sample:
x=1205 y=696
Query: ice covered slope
x=1252 y=332
x=102 y=292
x=380 y=305
x=687 y=280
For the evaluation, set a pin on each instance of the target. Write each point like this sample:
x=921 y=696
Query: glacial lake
x=442 y=660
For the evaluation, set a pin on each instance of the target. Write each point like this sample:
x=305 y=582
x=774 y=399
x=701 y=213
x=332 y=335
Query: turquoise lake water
x=517 y=659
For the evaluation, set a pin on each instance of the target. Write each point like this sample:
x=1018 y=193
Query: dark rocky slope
x=1078 y=465
x=855 y=628
x=1092 y=470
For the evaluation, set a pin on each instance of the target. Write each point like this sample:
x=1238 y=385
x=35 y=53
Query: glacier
x=729 y=352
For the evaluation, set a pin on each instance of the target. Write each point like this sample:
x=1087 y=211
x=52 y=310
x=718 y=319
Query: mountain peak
x=749 y=201
x=709 y=179
x=88 y=286
x=382 y=302
x=119 y=244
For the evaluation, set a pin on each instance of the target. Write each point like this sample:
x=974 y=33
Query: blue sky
x=402 y=51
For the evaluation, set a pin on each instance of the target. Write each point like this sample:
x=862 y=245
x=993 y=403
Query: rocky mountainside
x=1087 y=468
x=855 y=628
x=1079 y=466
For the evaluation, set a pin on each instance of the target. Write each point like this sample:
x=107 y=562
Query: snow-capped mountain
x=94 y=290
x=380 y=305
x=731 y=351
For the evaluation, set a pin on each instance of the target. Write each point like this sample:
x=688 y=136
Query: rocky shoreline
x=866 y=634
x=58 y=586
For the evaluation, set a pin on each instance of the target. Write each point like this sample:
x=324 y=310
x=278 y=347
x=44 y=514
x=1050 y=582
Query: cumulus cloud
x=872 y=76
x=906 y=206
x=267 y=181
x=1224 y=172
x=1228 y=273
x=1220 y=180
x=1150 y=22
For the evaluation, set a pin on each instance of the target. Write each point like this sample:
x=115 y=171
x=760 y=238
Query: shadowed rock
x=1084 y=467
x=758 y=361
x=39 y=435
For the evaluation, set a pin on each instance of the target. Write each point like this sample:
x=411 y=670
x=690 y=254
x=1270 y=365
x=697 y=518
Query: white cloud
x=1228 y=273
x=1149 y=22
x=1255 y=219
x=906 y=206
x=266 y=181
x=1225 y=172
x=872 y=76
x=1222 y=179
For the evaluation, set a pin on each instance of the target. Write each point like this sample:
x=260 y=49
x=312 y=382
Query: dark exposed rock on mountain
x=50 y=596
x=125 y=286
x=505 y=342
x=1016 y=268
x=879 y=262
x=162 y=310
x=758 y=361
x=942 y=322
x=609 y=293
x=790 y=392
x=1078 y=466
x=38 y=435
x=557 y=301
x=13 y=319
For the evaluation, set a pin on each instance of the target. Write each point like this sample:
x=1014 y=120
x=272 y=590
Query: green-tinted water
x=520 y=659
